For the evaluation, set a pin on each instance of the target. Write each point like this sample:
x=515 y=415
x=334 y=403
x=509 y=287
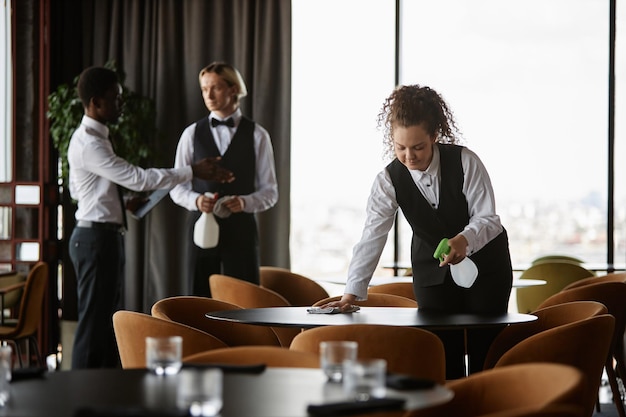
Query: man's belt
x=114 y=227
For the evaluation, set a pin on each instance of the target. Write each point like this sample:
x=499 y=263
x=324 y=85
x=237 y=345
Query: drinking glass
x=365 y=379
x=200 y=392
x=333 y=354
x=164 y=354
x=5 y=373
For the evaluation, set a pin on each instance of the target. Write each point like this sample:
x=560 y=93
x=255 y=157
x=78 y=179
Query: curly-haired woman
x=444 y=191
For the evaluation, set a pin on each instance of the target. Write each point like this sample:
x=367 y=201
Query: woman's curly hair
x=410 y=105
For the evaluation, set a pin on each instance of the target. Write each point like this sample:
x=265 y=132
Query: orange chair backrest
x=244 y=294
x=547 y=318
x=191 y=310
x=250 y=355
x=30 y=312
x=613 y=277
x=584 y=344
x=403 y=289
x=247 y=295
x=392 y=343
x=520 y=390
x=376 y=300
x=132 y=328
x=611 y=294
x=297 y=289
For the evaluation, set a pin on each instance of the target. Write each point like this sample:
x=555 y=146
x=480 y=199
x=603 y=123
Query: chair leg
x=620 y=370
x=620 y=358
x=18 y=352
x=33 y=343
x=617 y=399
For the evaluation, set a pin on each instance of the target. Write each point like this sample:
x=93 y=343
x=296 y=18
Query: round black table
x=379 y=280
x=275 y=392
x=392 y=316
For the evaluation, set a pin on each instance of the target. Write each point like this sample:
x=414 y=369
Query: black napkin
x=408 y=382
x=19 y=374
x=258 y=368
x=355 y=407
x=114 y=411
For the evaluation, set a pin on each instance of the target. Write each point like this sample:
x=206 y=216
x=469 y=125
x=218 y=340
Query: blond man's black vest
x=240 y=158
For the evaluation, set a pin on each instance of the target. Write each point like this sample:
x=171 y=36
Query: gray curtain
x=161 y=45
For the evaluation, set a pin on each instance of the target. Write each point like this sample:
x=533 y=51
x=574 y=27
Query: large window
x=528 y=82
x=6 y=133
x=5 y=92
x=343 y=66
x=620 y=137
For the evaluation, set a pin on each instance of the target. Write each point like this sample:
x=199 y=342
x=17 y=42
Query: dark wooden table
x=276 y=392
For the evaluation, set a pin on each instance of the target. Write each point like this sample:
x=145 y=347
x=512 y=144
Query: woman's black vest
x=430 y=225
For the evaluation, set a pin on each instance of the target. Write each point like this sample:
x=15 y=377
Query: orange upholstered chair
x=530 y=389
x=613 y=295
x=297 y=289
x=191 y=310
x=274 y=356
x=392 y=343
x=11 y=288
x=584 y=344
x=30 y=312
x=244 y=294
x=612 y=277
x=247 y=295
x=403 y=289
x=132 y=328
x=547 y=318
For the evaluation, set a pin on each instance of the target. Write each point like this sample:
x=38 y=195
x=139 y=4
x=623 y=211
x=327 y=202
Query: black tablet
x=153 y=200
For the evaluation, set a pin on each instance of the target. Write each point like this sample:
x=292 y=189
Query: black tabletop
x=394 y=316
x=379 y=280
x=275 y=392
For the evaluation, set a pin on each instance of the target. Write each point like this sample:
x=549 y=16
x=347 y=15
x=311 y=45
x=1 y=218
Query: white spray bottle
x=206 y=231
x=464 y=273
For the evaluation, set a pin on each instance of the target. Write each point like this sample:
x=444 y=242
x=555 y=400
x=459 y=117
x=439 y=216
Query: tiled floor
x=607 y=408
x=67 y=341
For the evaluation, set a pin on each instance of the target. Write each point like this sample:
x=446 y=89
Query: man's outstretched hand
x=209 y=169
x=133 y=203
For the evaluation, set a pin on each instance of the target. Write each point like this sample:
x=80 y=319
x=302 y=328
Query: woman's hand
x=344 y=304
x=458 y=250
